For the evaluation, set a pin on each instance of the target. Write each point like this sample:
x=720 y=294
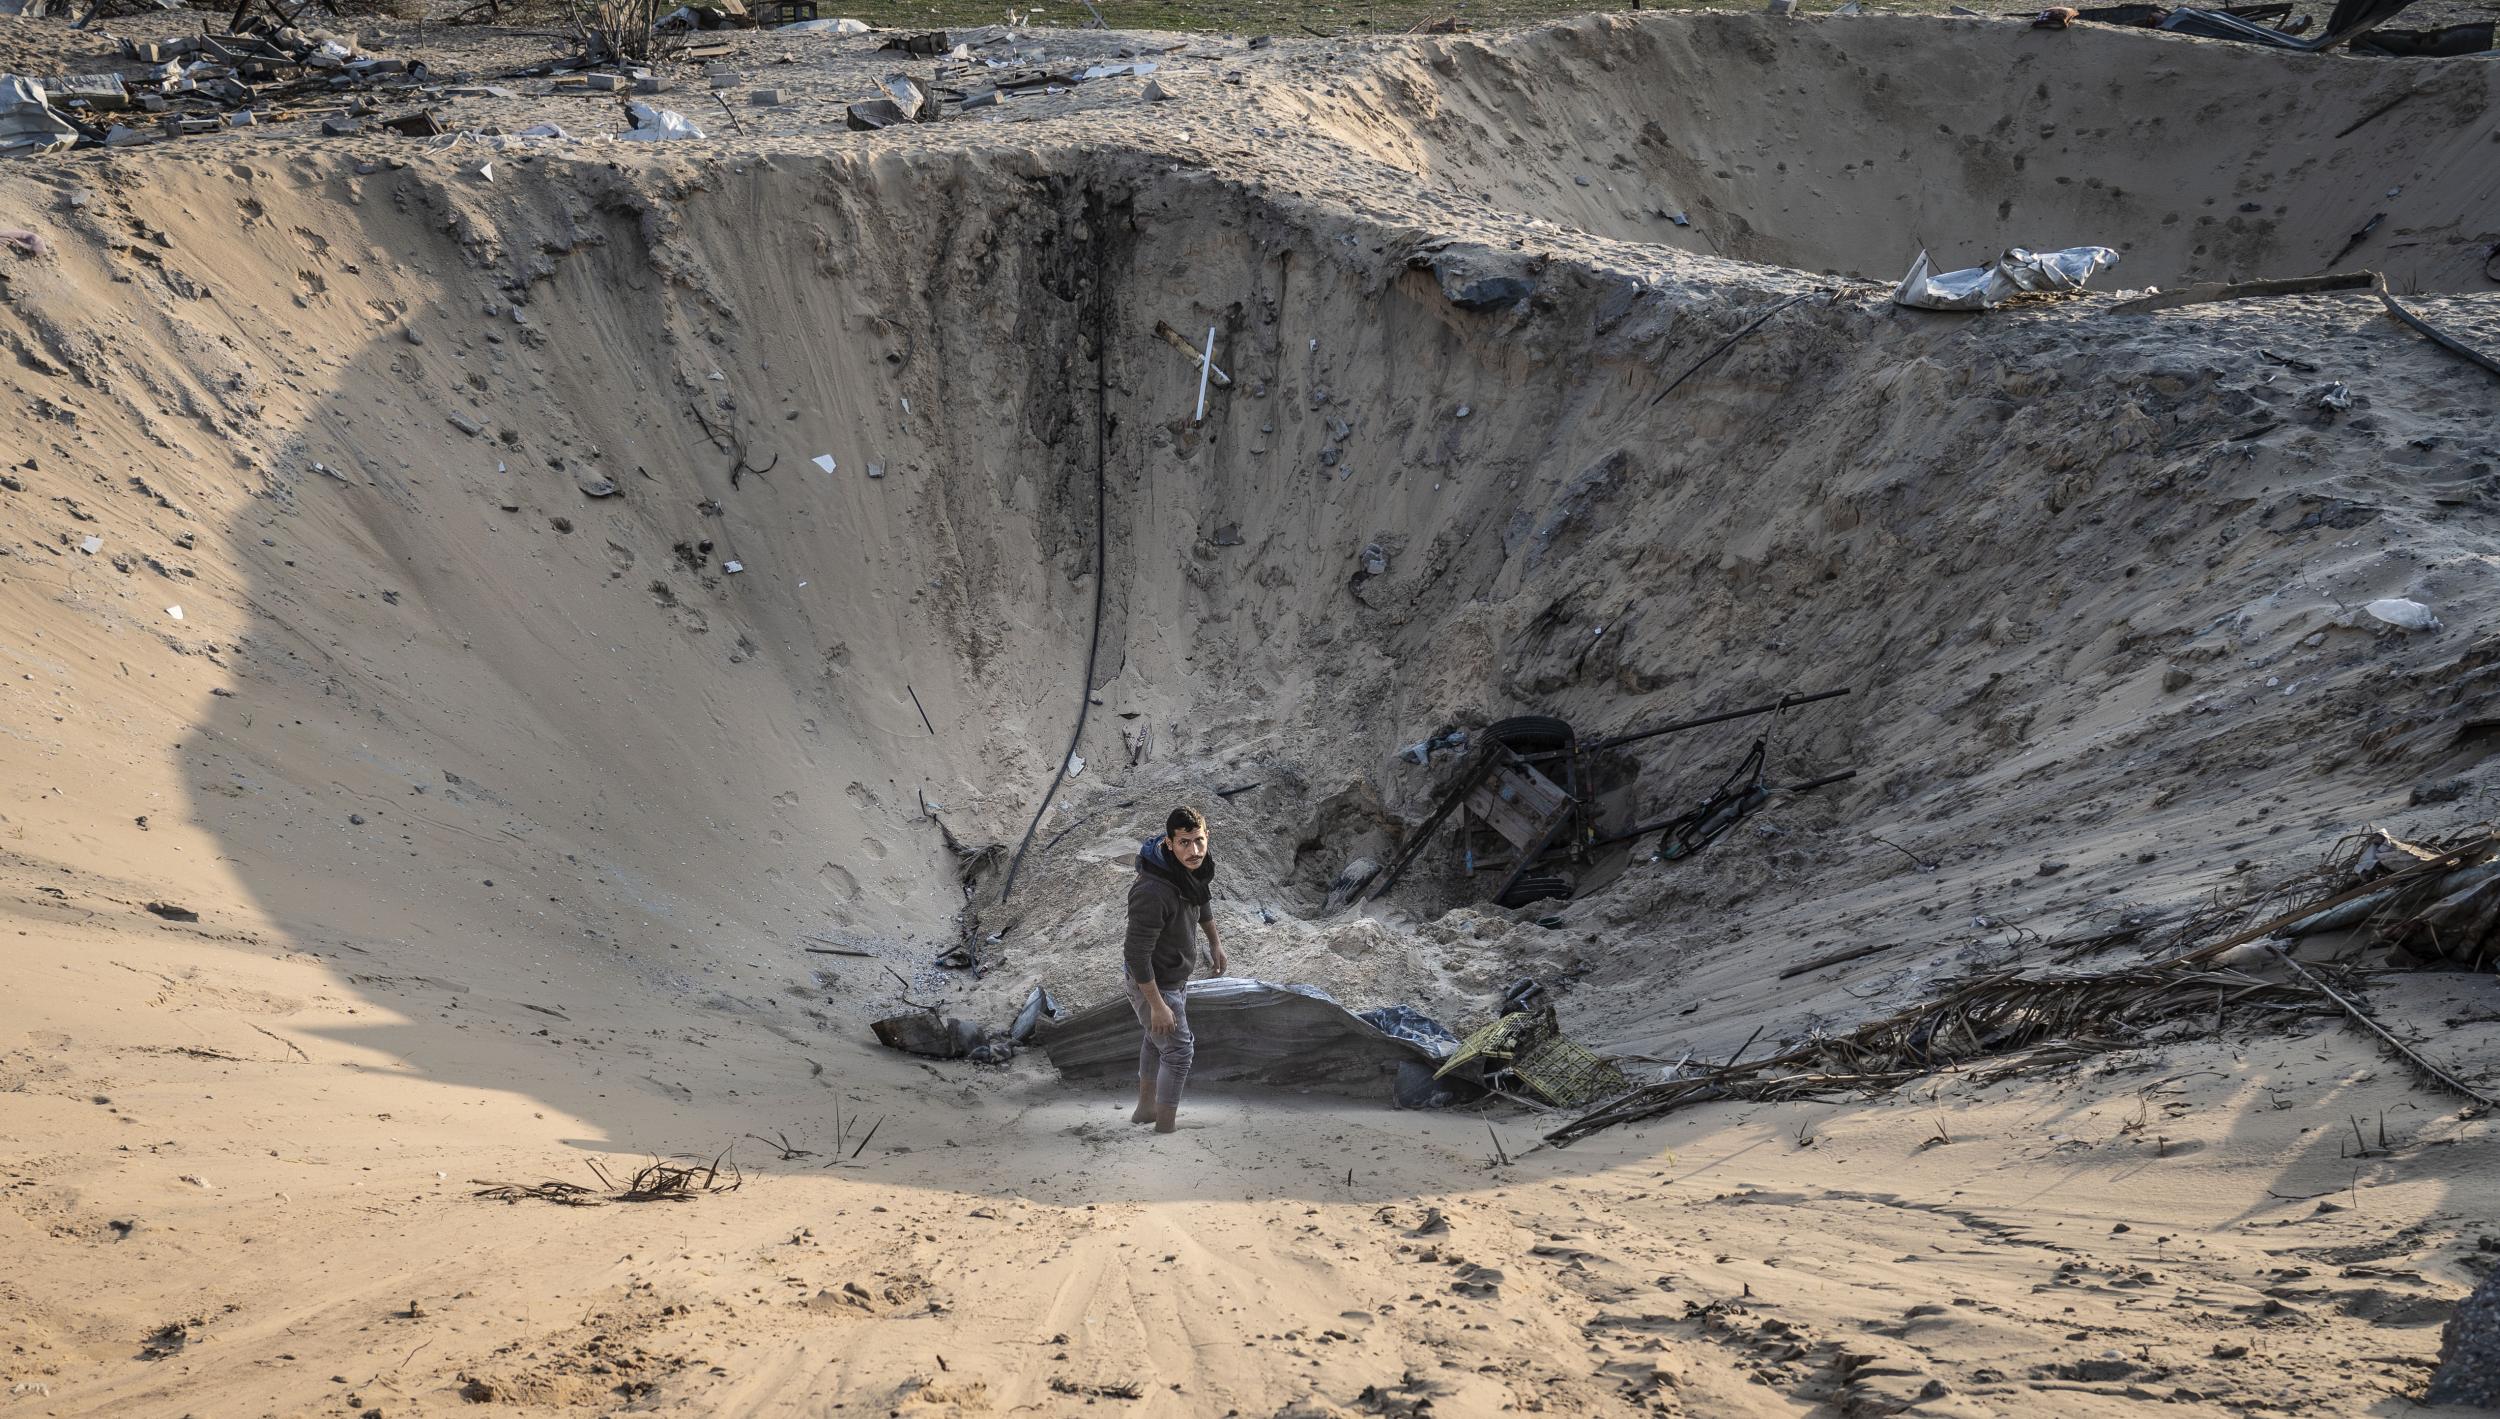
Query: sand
x=509 y=811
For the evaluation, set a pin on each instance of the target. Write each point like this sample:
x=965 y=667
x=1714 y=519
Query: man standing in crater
x=1167 y=905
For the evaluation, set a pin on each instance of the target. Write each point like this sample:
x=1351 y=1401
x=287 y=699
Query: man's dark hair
x=1184 y=820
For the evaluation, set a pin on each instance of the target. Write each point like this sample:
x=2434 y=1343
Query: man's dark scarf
x=1195 y=887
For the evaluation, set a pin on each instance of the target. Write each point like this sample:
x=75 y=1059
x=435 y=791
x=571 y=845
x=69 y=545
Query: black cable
x=1102 y=445
x=1732 y=339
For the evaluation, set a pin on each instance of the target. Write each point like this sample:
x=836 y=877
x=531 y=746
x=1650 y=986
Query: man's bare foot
x=1145 y=1102
x=1143 y=1113
x=1166 y=1119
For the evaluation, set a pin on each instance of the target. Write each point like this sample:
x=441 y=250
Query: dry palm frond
x=568 y=1194
x=2059 y=1019
x=2062 y=1019
x=664 y=1180
x=660 y=1180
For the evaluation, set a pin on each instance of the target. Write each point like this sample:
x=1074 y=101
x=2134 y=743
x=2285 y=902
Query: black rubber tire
x=1531 y=733
x=1536 y=887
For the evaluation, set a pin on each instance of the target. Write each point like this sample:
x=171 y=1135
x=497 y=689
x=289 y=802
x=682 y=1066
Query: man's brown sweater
x=1162 y=944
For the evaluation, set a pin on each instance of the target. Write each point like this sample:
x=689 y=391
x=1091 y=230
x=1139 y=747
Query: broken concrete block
x=875 y=114
x=769 y=98
x=98 y=91
x=342 y=126
x=908 y=97
x=420 y=124
x=604 y=83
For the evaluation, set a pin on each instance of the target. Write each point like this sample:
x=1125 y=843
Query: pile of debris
x=93 y=10
x=2360 y=25
x=706 y=15
x=1522 y=1050
x=2434 y=907
x=1527 y=801
x=905 y=101
x=1300 y=1037
x=931 y=1033
x=258 y=72
x=973 y=82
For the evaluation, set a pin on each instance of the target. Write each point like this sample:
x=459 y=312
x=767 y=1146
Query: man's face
x=1189 y=846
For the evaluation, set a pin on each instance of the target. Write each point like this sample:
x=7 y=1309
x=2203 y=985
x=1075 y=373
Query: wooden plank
x=1520 y=803
x=1541 y=794
x=1506 y=818
x=1528 y=857
x=1467 y=781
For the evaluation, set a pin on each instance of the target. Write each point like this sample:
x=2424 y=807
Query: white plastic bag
x=655 y=125
x=2403 y=614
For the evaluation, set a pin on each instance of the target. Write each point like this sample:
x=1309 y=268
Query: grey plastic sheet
x=27 y=123
x=1249 y=1031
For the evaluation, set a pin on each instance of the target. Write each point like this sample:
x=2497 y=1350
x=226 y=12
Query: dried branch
x=2361 y=1017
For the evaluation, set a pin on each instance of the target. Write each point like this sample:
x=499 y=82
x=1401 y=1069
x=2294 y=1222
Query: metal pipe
x=1783 y=702
x=1645 y=829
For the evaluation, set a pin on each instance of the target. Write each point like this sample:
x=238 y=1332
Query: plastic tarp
x=2017 y=272
x=654 y=125
x=1412 y=1025
x=1249 y=1031
x=2219 y=24
x=823 y=27
x=27 y=123
x=2352 y=20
